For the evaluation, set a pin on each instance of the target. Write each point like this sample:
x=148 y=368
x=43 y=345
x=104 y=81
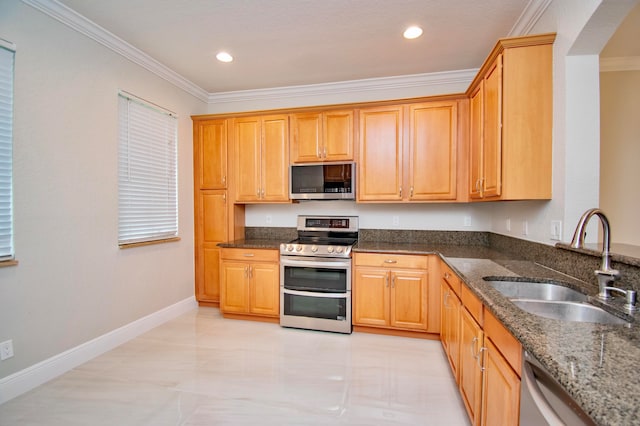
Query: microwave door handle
x=315 y=294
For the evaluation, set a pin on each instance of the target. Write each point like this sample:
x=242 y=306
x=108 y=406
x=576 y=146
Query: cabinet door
x=433 y=151
x=247 y=141
x=409 y=300
x=380 y=165
x=306 y=139
x=338 y=135
x=476 y=124
x=371 y=297
x=210 y=154
x=492 y=143
x=500 y=390
x=451 y=327
x=234 y=287
x=470 y=382
x=275 y=158
x=211 y=229
x=264 y=289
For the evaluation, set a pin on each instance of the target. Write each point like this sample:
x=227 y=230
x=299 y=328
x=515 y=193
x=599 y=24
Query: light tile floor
x=202 y=369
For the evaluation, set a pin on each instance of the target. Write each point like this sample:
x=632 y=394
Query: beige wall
x=73 y=284
x=620 y=153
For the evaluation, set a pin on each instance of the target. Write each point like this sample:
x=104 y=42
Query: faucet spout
x=580 y=232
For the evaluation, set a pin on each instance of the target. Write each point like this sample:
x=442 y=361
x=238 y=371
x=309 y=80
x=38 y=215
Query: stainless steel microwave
x=322 y=181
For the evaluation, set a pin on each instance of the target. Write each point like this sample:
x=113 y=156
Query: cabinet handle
x=262 y=193
x=471 y=347
x=224 y=197
x=324 y=153
x=393 y=281
x=248 y=254
x=258 y=193
x=386 y=280
x=411 y=192
x=446 y=298
x=480 y=360
x=224 y=179
x=390 y=261
x=482 y=187
x=246 y=271
x=400 y=192
x=447 y=276
x=250 y=271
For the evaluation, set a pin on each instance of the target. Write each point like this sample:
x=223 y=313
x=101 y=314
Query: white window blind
x=7 y=54
x=147 y=172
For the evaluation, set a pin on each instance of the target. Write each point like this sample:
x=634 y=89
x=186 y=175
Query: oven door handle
x=314 y=294
x=315 y=263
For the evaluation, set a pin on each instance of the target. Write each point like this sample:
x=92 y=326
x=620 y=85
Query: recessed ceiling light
x=224 y=57
x=412 y=32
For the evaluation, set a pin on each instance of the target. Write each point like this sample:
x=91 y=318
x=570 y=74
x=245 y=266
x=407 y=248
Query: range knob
x=330 y=249
x=289 y=247
x=314 y=248
x=298 y=247
x=339 y=249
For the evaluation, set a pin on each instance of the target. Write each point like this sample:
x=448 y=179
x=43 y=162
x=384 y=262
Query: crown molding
x=74 y=20
x=462 y=77
x=623 y=63
x=529 y=17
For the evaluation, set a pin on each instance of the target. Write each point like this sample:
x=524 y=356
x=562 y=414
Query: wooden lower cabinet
x=450 y=328
x=485 y=358
x=500 y=389
x=470 y=367
x=250 y=282
x=392 y=291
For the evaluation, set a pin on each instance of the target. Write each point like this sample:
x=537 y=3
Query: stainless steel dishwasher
x=544 y=401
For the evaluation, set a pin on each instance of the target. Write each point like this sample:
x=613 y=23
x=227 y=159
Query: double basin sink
x=554 y=301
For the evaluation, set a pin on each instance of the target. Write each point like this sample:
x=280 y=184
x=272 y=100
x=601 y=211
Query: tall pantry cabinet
x=212 y=207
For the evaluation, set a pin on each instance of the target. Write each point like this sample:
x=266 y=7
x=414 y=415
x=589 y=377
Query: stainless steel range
x=315 y=274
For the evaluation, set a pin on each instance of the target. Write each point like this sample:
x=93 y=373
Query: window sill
x=11 y=262
x=148 y=243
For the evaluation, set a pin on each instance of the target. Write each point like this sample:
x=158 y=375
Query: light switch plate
x=6 y=349
x=556 y=230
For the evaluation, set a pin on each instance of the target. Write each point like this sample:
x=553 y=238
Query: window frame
x=7 y=220
x=147 y=173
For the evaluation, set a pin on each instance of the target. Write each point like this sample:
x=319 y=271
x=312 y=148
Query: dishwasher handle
x=541 y=402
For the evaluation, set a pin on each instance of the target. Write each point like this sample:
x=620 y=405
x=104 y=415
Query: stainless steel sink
x=537 y=291
x=568 y=311
x=554 y=301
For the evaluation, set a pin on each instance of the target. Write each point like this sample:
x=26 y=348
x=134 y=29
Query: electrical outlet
x=467 y=221
x=508 y=225
x=269 y=219
x=525 y=227
x=556 y=230
x=396 y=220
x=6 y=349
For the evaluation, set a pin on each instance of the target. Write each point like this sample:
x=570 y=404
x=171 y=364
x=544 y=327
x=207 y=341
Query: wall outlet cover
x=6 y=350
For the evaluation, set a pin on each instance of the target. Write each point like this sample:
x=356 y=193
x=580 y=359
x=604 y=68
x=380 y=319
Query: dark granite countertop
x=253 y=244
x=597 y=364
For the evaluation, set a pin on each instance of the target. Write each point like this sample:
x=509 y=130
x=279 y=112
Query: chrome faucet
x=606 y=275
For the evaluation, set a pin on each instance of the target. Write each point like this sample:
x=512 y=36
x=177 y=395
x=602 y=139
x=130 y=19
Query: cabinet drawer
x=450 y=278
x=262 y=255
x=390 y=260
x=504 y=341
x=472 y=304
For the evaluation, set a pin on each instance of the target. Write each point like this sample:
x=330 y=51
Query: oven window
x=315 y=307
x=315 y=279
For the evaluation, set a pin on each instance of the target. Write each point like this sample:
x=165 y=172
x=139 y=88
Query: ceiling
x=281 y=43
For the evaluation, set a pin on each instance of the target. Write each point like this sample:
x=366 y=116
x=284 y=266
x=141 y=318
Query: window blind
x=147 y=172
x=7 y=54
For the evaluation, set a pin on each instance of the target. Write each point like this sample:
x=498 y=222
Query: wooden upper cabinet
x=381 y=154
x=421 y=168
x=322 y=136
x=433 y=146
x=261 y=154
x=511 y=112
x=210 y=154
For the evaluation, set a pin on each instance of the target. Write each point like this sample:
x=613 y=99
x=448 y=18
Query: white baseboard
x=37 y=374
